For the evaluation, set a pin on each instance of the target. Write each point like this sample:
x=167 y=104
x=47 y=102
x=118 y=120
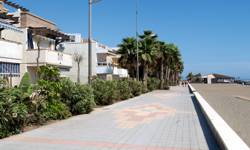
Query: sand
x=232 y=102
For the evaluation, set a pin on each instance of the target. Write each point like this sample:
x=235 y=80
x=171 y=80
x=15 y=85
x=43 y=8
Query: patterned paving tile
x=160 y=120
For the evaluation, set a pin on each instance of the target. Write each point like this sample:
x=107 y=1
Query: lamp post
x=91 y=2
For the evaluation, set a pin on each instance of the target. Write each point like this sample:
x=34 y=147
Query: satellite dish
x=60 y=47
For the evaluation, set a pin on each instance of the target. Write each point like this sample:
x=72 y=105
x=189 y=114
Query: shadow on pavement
x=210 y=139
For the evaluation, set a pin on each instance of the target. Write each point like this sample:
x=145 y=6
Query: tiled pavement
x=160 y=120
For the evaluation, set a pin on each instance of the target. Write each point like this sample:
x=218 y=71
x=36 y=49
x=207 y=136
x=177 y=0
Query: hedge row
x=107 y=92
x=55 y=98
x=52 y=98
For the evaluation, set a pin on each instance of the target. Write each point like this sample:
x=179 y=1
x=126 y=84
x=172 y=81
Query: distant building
x=104 y=60
x=108 y=66
x=217 y=78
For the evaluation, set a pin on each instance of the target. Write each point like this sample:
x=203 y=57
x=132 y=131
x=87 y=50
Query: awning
x=6 y=25
x=53 y=34
x=15 y=5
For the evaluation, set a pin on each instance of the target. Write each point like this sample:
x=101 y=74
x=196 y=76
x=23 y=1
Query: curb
x=226 y=137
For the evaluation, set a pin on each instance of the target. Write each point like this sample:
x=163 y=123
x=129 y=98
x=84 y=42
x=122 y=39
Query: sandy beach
x=232 y=102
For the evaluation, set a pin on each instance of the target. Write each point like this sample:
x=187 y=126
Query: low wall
x=224 y=134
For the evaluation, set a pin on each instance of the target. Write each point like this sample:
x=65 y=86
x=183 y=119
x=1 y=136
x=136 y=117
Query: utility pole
x=91 y=2
x=137 y=57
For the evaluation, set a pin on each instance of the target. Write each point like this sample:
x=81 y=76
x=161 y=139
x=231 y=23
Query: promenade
x=160 y=120
x=232 y=102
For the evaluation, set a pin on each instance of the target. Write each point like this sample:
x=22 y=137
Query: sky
x=212 y=35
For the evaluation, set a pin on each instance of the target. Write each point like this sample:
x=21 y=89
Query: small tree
x=25 y=82
x=78 y=59
x=190 y=76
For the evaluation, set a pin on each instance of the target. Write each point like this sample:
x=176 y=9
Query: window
x=9 y=69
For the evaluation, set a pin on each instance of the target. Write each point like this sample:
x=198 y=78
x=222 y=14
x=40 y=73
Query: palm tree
x=147 y=52
x=169 y=53
x=78 y=59
x=157 y=58
x=127 y=50
x=160 y=59
x=176 y=68
x=190 y=76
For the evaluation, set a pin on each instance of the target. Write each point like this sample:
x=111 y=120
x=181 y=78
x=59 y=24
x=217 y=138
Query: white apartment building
x=27 y=41
x=11 y=52
x=104 y=61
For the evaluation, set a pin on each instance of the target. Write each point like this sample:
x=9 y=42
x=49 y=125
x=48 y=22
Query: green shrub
x=3 y=83
x=25 y=82
x=49 y=73
x=79 y=98
x=13 y=112
x=55 y=110
x=166 y=86
x=136 y=87
x=123 y=89
x=46 y=99
x=104 y=91
x=153 y=84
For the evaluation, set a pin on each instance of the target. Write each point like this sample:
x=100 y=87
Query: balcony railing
x=123 y=73
x=50 y=57
x=11 y=52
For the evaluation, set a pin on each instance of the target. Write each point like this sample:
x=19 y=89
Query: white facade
x=11 y=52
x=49 y=57
x=80 y=48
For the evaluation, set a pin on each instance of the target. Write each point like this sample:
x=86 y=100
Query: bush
x=46 y=99
x=153 y=84
x=55 y=110
x=166 y=86
x=79 y=98
x=3 y=83
x=49 y=73
x=123 y=89
x=25 y=82
x=136 y=87
x=104 y=91
x=13 y=112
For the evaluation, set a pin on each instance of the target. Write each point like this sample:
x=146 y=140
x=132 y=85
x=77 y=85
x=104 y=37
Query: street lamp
x=90 y=39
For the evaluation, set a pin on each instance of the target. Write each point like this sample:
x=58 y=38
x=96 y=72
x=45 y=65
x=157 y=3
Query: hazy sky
x=213 y=35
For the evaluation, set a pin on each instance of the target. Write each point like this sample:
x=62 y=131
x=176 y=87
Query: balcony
x=11 y=52
x=123 y=73
x=50 y=57
x=104 y=70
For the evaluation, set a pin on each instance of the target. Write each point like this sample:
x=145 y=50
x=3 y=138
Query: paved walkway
x=160 y=120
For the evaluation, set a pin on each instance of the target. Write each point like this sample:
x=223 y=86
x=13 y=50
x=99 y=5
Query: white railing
x=51 y=57
x=104 y=70
x=10 y=51
x=123 y=73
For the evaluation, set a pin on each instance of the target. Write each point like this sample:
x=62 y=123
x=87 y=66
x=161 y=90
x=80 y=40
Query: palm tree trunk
x=145 y=75
x=162 y=74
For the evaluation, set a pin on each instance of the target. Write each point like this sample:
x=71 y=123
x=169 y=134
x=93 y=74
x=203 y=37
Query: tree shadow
x=210 y=139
